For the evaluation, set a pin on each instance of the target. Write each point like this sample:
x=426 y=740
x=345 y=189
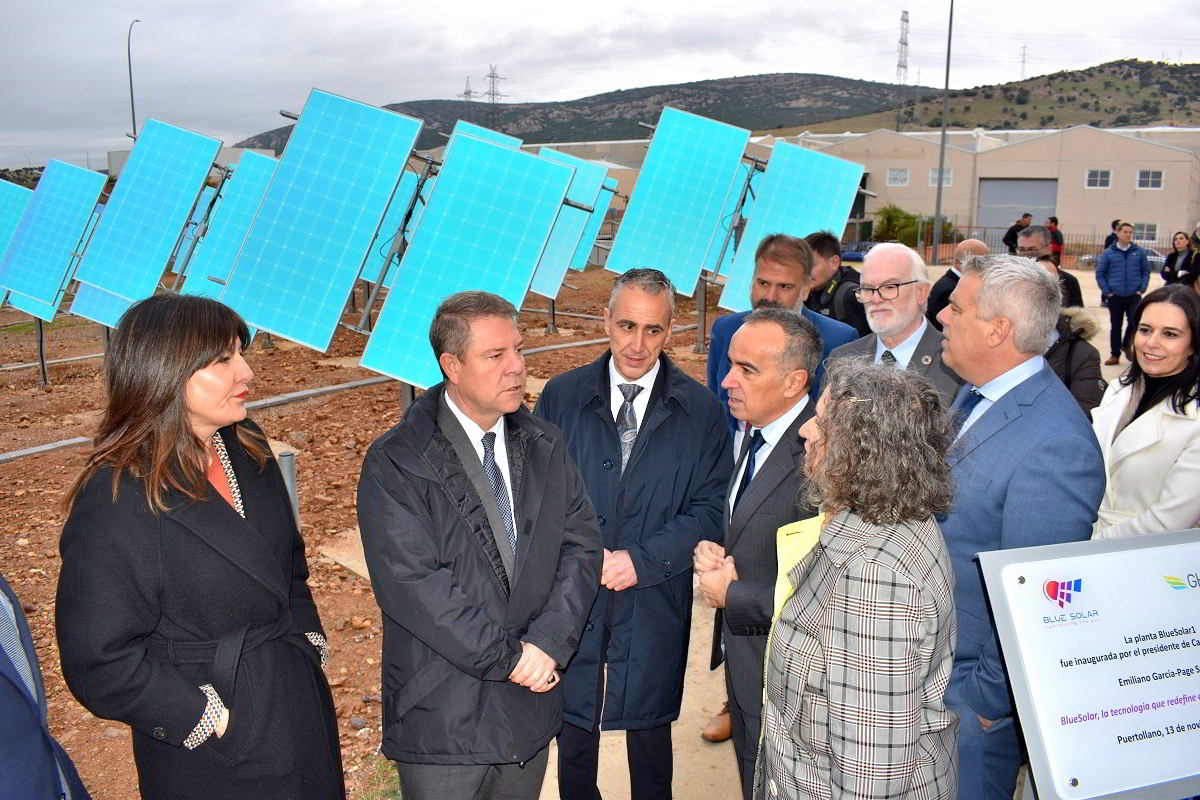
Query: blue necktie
x=964 y=409
x=499 y=488
x=756 y=442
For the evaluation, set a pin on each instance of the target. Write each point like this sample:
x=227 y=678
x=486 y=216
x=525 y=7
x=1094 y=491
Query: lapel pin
x=927 y=360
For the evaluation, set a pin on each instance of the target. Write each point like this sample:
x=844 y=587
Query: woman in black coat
x=183 y=609
x=1179 y=266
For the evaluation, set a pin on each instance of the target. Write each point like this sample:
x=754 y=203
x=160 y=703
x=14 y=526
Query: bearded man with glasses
x=894 y=291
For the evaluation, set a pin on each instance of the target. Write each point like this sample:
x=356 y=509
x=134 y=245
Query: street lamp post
x=129 y=60
x=937 y=205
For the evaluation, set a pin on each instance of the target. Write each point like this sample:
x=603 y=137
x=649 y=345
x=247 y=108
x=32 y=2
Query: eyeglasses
x=1029 y=251
x=889 y=291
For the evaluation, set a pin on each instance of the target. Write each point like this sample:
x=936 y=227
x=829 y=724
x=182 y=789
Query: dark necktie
x=10 y=640
x=964 y=409
x=627 y=425
x=888 y=358
x=756 y=442
x=499 y=489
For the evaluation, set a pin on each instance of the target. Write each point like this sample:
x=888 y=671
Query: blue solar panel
x=148 y=208
x=583 y=251
x=485 y=227
x=318 y=221
x=480 y=132
x=13 y=202
x=52 y=228
x=99 y=305
x=36 y=308
x=228 y=224
x=801 y=192
x=677 y=201
x=568 y=229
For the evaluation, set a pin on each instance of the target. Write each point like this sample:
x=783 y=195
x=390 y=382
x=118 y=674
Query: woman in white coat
x=1148 y=423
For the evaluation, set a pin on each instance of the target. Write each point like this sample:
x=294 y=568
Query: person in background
x=1071 y=354
x=1010 y=236
x=895 y=285
x=1148 y=423
x=862 y=647
x=1179 y=264
x=654 y=453
x=939 y=295
x=782 y=275
x=1122 y=273
x=833 y=283
x=771 y=357
x=32 y=764
x=1112 y=237
x=1035 y=242
x=1027 y=471
x=1056 y=241
x=183 y=607
x=484 y=556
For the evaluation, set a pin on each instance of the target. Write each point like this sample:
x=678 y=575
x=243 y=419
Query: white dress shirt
x=903 y=351
x=772 y=432
x=1001 y=385
x=641 y=402
x=475 y=434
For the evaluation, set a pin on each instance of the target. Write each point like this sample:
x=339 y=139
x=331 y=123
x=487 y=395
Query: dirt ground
x=330 y=435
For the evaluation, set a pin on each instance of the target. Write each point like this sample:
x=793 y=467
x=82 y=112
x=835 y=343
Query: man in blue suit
x=782 y=274
x=32 y=764
x=1027 y=471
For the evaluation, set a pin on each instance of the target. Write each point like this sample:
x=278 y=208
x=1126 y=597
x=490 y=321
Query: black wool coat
x=453 y=622
x=668 y=498
x=151 y=606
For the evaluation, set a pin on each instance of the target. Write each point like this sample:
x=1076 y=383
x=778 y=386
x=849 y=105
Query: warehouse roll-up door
x=1003 y=200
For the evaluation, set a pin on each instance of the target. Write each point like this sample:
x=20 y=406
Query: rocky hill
x=1116 y=94
x=753 y=101
x=22 y=176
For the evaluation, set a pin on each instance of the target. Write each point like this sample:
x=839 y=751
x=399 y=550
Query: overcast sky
x=225 y=67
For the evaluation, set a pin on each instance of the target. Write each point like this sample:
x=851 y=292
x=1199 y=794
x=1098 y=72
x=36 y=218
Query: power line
x=493 y=92
x=467 y=94
x=1024 y=55
x=901 y=67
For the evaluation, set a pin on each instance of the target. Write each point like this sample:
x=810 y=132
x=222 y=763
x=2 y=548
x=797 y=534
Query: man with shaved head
x=939 y=295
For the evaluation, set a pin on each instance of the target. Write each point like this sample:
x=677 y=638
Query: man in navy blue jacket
x=1027 y=471
x=1123 y=273
x=32 y=764
x=782 y=275
x=655 y=455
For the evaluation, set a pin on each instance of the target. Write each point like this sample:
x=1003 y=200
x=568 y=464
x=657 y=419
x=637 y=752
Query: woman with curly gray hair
x=863 y=641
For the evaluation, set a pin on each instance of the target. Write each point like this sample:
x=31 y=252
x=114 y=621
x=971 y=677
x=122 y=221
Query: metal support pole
x=408 y=395
x=701 y=297
x=287 y=465
x=551 y=328
x=40 y=335
x=735 y=222
x=268 y=343
x=129 y=61
x=937 y=203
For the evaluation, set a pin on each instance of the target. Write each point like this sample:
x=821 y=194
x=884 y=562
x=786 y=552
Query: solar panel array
x=479 y=132
x=227 y=226
x=487 y=222
x=568 y=228
x=591 y=230
x=148 y=208
x=677 y=201
x=13 y=201
x=35 y=265
x=319 y=218
x=802 y=191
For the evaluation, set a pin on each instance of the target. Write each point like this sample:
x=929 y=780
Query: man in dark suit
x=1027 y=471
x=654 y=452
x=894 y=291
x=771 y=356
x=939 y=295
x=1010 y=236
x=485 y=558
x=782 y=275
x=1034 y=242
x=32 y=764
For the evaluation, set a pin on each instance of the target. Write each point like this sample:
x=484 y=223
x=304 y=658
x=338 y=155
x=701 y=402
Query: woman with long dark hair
x=1179 y=264
x=183 y=609
x=1148 y=423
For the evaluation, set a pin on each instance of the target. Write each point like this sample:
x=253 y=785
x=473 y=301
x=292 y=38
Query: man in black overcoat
x=654 y=451
x=772 y=357
x=485 y=559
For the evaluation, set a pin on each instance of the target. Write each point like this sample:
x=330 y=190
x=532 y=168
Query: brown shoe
x=1112 y=361
x=720 y=727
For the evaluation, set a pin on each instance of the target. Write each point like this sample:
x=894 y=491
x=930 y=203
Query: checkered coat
x=859 y=660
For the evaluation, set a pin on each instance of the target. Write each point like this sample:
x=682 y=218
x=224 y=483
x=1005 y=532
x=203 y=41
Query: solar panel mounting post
x=399 y=243
x=201 y=229
x=756 y=165
x=40 y=335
